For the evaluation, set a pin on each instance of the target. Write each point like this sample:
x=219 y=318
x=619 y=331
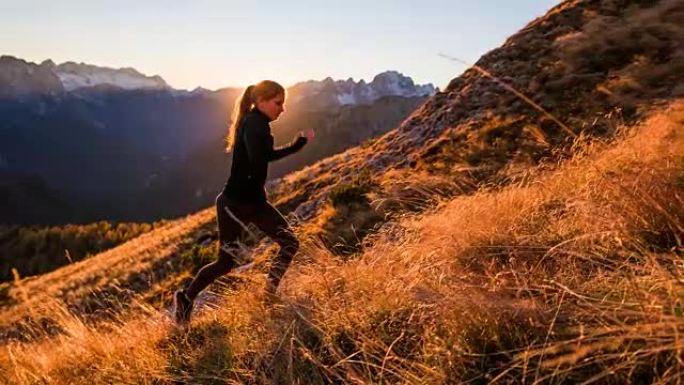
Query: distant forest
x=36 y=250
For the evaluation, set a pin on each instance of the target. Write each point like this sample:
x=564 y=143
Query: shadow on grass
x=200 y=355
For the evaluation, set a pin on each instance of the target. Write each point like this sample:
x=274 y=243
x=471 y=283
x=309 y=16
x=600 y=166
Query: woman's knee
x=212 y=271
x=224 y=266
x=289 y=242
x=226 y=261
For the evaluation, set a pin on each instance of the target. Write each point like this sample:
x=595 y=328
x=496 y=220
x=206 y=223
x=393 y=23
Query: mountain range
x=116 y=144
x=525 y=225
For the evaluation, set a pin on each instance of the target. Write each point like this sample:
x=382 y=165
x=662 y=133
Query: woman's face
x=272 y=107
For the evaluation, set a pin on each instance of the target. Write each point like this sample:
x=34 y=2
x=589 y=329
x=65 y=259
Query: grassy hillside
x=571 y=275
x=478 y=129
x=485 y=240
x=32 y=250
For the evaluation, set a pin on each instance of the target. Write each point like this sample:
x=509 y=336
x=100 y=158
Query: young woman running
x=243 y=199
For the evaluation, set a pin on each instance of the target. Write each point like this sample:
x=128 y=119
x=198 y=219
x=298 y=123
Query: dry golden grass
x=574 y=274
x=561 y=274
x=112 y=272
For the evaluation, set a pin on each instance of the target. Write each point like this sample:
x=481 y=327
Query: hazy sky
x=214 y=44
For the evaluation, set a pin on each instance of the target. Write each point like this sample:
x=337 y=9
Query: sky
x=226 y=43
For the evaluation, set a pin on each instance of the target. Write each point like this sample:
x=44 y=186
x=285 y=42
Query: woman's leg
x=271 y=222
x=229 y=232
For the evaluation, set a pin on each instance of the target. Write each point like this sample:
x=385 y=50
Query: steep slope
x=476 y=131
x=591 y=81
x=561 y=273
x=92 y=286
x=570 y=277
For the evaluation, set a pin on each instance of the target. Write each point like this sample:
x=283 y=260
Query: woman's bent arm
x=286 y=150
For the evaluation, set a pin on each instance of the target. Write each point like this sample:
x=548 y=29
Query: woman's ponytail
x=242 y=107
x=266 y=90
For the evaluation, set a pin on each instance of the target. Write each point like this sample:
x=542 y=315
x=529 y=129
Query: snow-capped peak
x=346 y=92
x=394 y=83
x=79 y=75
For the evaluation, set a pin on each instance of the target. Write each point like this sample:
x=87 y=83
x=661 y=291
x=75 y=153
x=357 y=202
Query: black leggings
x=232 y=221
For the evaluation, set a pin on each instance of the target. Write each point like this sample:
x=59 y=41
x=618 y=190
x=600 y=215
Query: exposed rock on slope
x=474 y=127
x=591 y=81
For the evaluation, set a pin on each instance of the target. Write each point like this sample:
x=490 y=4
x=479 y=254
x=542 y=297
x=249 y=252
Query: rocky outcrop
x=21 y=78
x=329 y=93
x=575 y=71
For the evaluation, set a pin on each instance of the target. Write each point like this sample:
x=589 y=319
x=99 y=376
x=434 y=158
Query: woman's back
x=250 y=156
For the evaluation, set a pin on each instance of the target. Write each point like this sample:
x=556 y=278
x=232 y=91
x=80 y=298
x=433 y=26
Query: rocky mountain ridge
x=23 y=77
x=577 y=62
x=532 y=261
x=143 y=153
x=325 y=93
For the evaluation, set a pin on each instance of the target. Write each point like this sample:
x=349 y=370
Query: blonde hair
x=264 y=90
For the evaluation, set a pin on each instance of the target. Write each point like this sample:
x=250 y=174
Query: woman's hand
x=309 y=135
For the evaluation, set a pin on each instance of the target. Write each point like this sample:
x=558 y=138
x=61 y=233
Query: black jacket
x=252 y=150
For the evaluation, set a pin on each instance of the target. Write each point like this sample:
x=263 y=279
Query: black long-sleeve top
x=252 y=150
